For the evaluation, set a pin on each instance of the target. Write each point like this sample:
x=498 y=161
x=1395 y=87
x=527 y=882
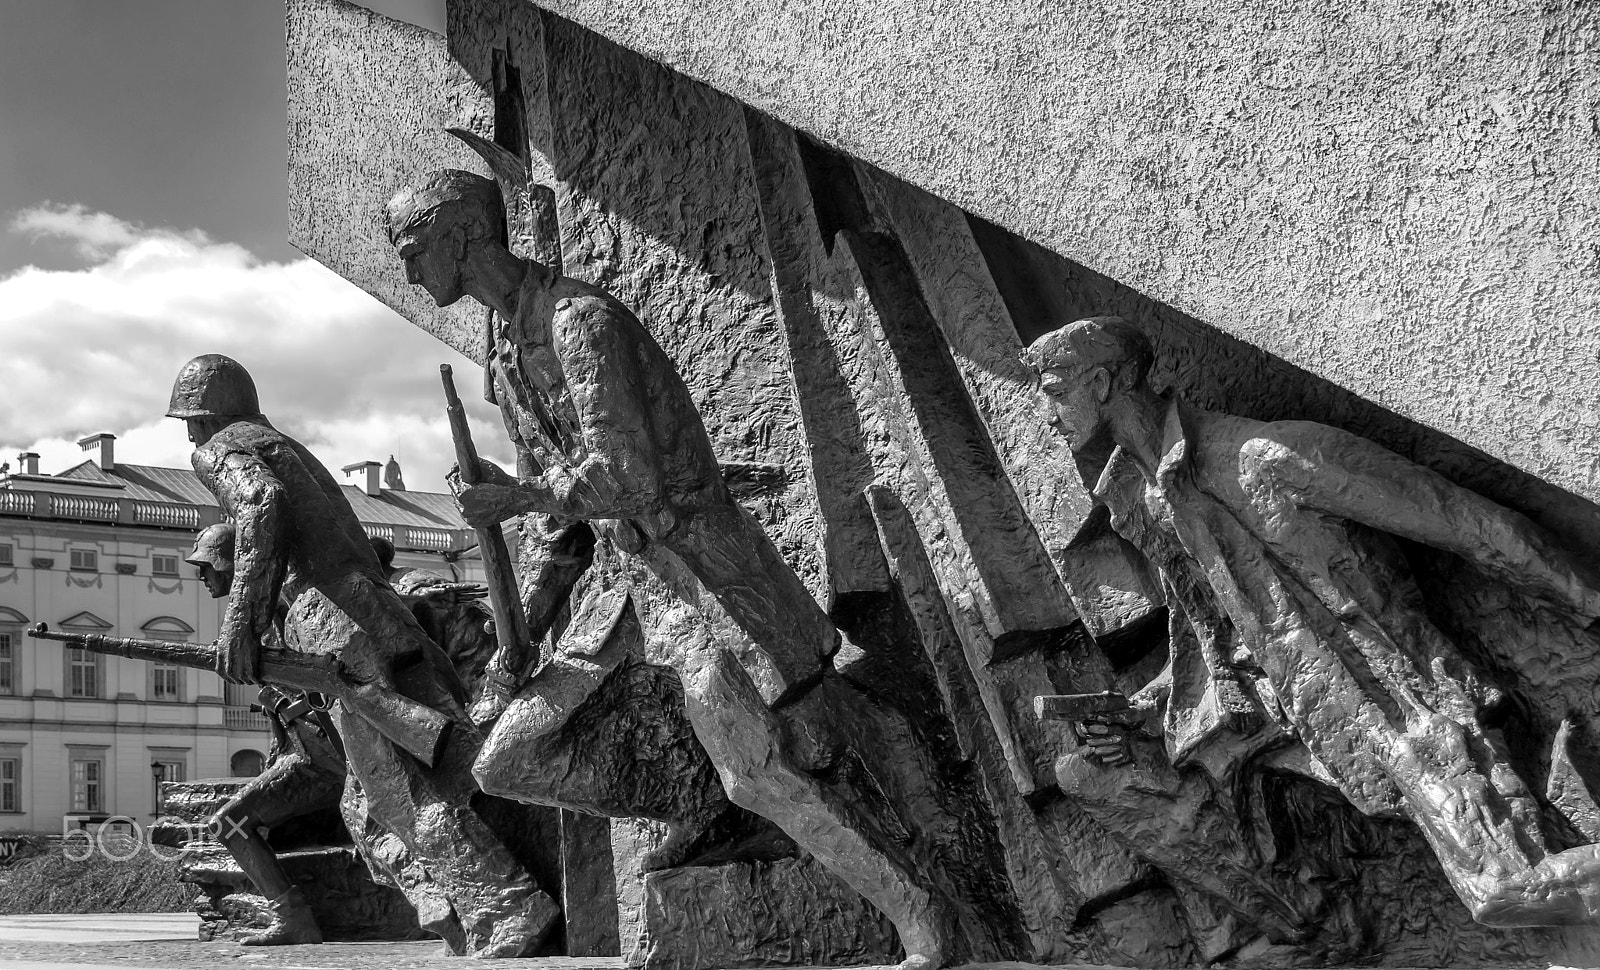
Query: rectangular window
x=83 y=673
x=5 y=554
x=10 y=785
x=86 y=560
x=165 y=683
x=86 y=794
x=8 y=663
x=163 y=565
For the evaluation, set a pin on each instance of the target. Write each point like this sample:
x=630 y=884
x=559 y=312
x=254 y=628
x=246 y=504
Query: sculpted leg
x=608 y=735
x=291 y=786
x=1474 y=810
x=851 y=831
x=500 y=911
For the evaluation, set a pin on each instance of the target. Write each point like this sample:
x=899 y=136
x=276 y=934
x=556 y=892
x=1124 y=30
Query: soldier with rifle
x=399 y=703
x=609 y=436
x=304 y=775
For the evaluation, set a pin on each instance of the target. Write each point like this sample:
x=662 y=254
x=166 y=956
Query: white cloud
x=94 y=235
x=96 y=349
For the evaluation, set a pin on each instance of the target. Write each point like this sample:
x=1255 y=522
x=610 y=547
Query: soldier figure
x=1275 y=542
x=298 y=542
x=609 y=435
x=305 y=775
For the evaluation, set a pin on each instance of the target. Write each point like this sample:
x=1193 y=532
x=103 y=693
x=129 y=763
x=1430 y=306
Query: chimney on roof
x=107 y=457
x=28 y=463
x=369 y=483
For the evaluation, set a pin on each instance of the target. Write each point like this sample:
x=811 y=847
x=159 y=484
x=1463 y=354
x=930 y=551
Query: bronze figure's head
x=211 y=392
x=212 y=555
x=1082 y=367
x=434 y=224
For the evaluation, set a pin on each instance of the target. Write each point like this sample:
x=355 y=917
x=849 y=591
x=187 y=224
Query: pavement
x=166 y=941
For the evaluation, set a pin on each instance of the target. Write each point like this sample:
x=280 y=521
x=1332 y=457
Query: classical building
x=99 y=548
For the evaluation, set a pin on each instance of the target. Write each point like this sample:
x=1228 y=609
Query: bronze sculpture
x=613 y=438
x=298 y=542
x=305 y=773
x=1275 y=541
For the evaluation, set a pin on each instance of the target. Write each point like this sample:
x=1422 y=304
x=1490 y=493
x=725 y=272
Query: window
x=163 y=565
x=86 y=560
x=83 y=673
x=5 y=554
x=166 y=684
x=86 y=790
x=10 y=785
x=8 y=664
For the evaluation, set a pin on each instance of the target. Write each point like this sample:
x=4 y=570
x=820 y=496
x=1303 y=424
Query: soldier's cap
x=213 y=385
x=414 y=203
x=213 y=547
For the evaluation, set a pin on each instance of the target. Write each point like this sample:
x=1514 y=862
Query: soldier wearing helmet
x=305 y=775
x=212 y=556
x=298 y=543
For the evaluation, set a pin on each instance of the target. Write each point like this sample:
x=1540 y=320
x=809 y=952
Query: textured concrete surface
x=1398 y=198
x=360 y=129
x=779 y=277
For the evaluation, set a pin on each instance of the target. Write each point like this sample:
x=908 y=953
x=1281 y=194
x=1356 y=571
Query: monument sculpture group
x=885 y=587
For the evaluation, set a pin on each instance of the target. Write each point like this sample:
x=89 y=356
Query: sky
x=142 y=223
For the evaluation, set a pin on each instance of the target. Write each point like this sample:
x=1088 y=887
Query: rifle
x=412 y=725
x=510 y=624
x=1105 y=706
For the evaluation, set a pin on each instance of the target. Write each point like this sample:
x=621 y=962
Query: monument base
x=791 y=912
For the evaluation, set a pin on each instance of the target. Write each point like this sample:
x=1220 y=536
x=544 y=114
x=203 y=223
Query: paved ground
x=166 y=941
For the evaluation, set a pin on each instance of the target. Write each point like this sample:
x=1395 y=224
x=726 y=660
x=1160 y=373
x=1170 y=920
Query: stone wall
x=1397 y=198
x=856 y=335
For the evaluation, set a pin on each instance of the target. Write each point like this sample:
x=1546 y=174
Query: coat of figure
x=610 y=435
x=1276 y=543
x=299 y=549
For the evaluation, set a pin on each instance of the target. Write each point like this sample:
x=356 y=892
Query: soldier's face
x=216 y=583
x=431 y=253
x=1072 y=399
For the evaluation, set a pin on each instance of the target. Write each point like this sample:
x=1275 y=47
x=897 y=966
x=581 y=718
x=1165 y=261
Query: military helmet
x=213 y=547
x=213 y=386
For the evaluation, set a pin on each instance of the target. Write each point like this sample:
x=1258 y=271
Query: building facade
x=99 y=548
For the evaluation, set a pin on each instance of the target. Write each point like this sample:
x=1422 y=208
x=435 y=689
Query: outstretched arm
x=253 y=496
x=1348 y=476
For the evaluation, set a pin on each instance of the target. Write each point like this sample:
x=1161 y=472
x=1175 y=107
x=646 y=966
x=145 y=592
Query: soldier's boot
x=292 y=923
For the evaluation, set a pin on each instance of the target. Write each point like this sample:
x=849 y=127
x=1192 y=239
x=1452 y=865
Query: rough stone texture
x=791 y=912
x=1397 y=198
x=358 y=130
x=632 y=840
x=334 y=880
x=768 y=294
x=347 y=903
x=588 y=886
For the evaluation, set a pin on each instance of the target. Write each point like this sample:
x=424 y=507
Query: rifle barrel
x=179 y=652
x=505 y=602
